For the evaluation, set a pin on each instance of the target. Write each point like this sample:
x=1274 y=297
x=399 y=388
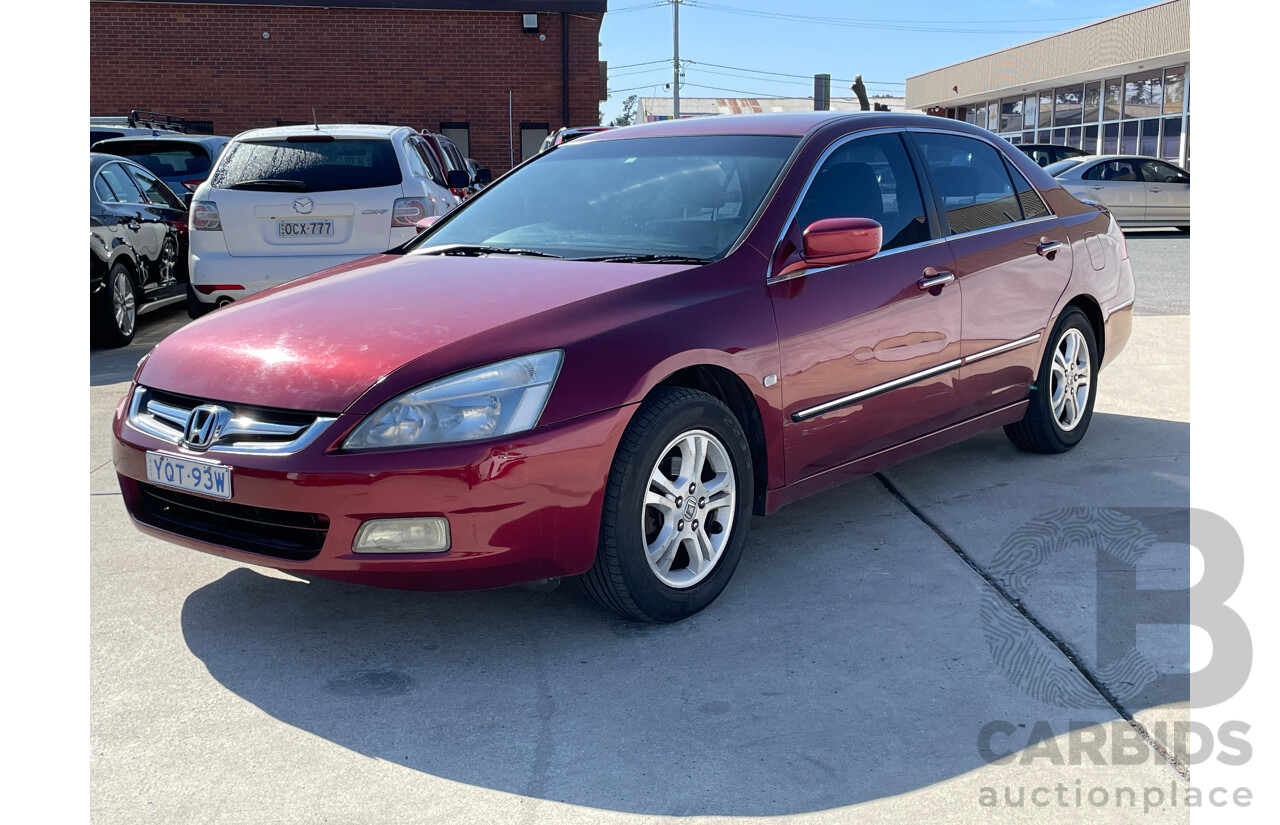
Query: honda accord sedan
x=602 y=365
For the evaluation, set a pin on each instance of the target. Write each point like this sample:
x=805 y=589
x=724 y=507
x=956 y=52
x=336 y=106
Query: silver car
x=1139 y=191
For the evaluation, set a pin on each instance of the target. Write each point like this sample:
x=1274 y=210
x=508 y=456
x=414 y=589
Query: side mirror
x=186 y=199
x=837 y=241
x=484 y=176
x=426 y=223
x=458 y=179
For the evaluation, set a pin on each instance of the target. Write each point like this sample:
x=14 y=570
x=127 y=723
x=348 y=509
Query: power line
x=665 y=60
x=807 y=81
x=786 y=74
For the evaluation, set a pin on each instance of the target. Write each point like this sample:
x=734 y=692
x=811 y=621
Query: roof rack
x=139 y=118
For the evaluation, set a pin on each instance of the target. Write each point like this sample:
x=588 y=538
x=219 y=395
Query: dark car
x=566 y=134
x=1047 y=153
x=137 y=247
x=182 y=162
x=463 y=181
x=606 y=362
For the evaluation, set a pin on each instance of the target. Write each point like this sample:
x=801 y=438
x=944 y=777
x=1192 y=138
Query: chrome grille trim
x=168 y=422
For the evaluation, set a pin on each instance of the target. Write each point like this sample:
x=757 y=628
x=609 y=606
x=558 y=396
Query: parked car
x=1047 y=153
x=450 y=159
x=565 y=134
x=287 y=201
x=181 y=161
x=605 y=363
x=1139 y=191
x=137 y=246
x=480 y=177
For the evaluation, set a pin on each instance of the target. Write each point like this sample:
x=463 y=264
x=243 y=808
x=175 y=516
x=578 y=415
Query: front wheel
x=676 y=511
x=1062 y=398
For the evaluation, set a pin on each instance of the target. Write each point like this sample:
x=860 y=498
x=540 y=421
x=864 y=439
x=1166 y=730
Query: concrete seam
x=1170 y=758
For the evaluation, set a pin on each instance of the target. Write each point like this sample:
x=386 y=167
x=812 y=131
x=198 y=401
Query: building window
x=1150 y=143
x=460 y=134
x=1129 y=138
x=1175 y=81
x=1066 y=108
x=1092 y=102
x=1172 y=134
x=1073 y=137
x=1143 y=94
x=1046 y=108
x=531 y=137
x=1111 y=138
x=1011 y=114
x=1111 y=98
x=1030 y=109
x=1090 y=144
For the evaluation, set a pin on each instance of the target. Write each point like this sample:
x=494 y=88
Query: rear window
x=163 y=158
x=319 y=166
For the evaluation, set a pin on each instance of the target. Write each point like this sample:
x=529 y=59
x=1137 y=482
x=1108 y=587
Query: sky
x=733 y=43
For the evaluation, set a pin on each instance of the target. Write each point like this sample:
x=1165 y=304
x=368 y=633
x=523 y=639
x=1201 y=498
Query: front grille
x=282 y=534
x=244 y=429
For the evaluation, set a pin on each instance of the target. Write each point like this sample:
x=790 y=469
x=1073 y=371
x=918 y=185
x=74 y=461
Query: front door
x=1168 y=193
x=869 y=350
x=1118 y=185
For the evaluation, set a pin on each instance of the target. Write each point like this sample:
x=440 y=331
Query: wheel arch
x=727 y=386
x=1093 y=311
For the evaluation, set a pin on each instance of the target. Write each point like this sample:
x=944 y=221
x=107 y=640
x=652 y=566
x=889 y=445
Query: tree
x=628 y=115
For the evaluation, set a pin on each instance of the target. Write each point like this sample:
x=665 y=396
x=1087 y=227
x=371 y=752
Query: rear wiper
x=473 y=250
x=277 y=184
x=647 y=259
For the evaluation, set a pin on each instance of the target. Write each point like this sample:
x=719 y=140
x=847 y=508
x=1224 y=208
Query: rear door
x=129 y=210
x=307 y=196
x=1168 y=192
x=1012 y=259
x=1118 y=185
x=869 y=351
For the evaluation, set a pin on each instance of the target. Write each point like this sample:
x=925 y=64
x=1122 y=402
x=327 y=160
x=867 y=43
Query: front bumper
x=522 y=509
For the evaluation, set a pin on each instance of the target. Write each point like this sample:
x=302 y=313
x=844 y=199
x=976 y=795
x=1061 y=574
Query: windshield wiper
x=277 y=184
x=647 y=259
x=474 y=250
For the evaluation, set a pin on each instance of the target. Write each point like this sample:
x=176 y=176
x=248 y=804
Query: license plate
x=191 y=476
x=298 y=229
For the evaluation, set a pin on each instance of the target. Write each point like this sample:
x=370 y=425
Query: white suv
x=285 y=202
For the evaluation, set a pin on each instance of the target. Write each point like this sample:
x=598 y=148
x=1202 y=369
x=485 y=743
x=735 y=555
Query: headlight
x=496 y=400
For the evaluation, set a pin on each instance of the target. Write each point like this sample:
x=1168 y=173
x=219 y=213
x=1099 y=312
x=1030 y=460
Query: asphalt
x=869 y=637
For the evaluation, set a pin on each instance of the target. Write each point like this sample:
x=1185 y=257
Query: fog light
x=403 y=535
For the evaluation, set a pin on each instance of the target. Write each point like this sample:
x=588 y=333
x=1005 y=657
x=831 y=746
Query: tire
x=116 y=318
x=195 y=307
x=1050 y=428
x=662 y=563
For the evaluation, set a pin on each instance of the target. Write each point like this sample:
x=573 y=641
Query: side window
x=869 y=177
x=417 y=166
x=972 y=182
x=1159 y=172
x=126 y=191
x=1029 y=199
x=1117 y=170
x=155 y=191
x=434 y=172
x=103 y=190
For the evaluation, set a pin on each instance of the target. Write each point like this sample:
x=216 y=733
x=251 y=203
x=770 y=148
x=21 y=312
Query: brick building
x=495 y=75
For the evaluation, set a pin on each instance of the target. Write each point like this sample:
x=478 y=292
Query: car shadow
x=846 y=661
x=111 y=366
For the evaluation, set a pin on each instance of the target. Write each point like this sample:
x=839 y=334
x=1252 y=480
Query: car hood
x=319 y=343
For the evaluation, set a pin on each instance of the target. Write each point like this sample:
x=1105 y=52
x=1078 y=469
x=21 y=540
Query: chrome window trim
x=149 y=423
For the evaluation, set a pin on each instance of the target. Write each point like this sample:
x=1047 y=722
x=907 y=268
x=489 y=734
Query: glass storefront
x=1146 y=113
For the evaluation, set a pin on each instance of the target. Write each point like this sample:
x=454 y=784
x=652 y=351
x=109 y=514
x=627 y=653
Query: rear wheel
x=677 y=509
x=116 y=317
x=1062 y=398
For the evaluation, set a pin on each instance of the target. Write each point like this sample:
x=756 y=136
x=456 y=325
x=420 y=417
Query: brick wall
x=407 y=67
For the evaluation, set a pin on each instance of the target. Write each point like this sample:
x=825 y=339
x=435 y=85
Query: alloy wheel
x=123 y=305
x=688 y=511
x=1069 y=380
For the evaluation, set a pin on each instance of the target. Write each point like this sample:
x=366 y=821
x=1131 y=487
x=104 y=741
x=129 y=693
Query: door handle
x=1154 y=189
x=1047 y=248
x=1095 y=186
x=933 y=279
x=133 y=224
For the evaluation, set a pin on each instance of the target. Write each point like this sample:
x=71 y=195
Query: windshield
x=667 y=196
x=322 y=164
x=1055 y=169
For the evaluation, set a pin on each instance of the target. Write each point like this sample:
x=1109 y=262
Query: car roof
x=97 y=159
x=794 y=124
x=338 y=130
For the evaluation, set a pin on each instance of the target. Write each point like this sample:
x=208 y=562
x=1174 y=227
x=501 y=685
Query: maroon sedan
x=602 y=365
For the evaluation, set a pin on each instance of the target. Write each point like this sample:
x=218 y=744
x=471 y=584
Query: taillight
x=408 y=211
x=191 y=185
x=204 y=215
x=461 y=194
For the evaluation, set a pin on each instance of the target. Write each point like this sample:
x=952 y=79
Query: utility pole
x=675 y=60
